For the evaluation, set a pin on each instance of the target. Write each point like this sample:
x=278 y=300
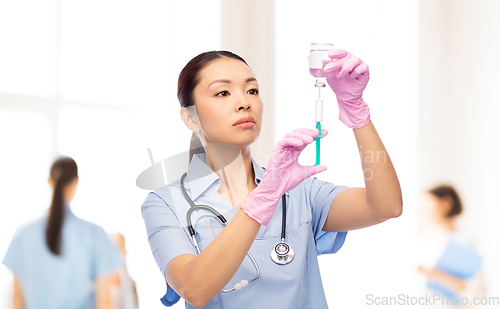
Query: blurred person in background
x=60 y=260
x=449 y=261
x=124 y=291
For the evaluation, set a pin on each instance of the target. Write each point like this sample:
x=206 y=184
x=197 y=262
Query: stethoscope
x=282 y=253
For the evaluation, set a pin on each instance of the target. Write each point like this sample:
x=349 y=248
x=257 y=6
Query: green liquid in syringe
x=319 y=118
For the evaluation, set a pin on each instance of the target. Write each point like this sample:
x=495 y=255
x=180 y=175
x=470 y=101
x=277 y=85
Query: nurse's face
x=227 y=92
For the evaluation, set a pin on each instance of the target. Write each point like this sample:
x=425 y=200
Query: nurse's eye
x=224 y=93
x=255 y=91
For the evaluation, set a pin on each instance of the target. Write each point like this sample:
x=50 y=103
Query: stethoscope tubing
x=192 y=232
x=223 y=220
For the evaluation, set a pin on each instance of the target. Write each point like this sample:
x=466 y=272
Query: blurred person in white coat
x=124 y=290
x=442 y=208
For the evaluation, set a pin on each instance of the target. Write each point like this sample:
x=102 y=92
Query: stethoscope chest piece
x=282 y=253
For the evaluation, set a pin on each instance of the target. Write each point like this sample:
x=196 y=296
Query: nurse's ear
x=190 y=118
x=51 y=183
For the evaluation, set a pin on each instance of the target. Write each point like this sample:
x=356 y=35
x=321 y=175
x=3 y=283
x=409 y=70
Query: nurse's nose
x=243 y=104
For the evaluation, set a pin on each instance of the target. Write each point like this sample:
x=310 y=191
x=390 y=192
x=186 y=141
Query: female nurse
x=443 y=208
x=60 y=260
x=220 y=103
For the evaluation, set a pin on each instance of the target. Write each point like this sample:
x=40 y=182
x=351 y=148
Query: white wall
x=459 y=76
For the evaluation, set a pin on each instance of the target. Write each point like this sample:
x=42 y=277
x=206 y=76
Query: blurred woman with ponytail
x=60 y=260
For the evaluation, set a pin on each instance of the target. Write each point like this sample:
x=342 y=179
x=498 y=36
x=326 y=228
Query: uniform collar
x=201 y=176
x=67 y=210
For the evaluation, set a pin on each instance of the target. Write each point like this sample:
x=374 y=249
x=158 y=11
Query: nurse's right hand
x=282 y=174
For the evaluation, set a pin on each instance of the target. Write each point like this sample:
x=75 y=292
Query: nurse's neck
x=237 y=177
x=447 y=224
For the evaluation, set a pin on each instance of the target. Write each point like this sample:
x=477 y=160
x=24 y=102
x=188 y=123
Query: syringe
x=319 y=118
x=317 y=59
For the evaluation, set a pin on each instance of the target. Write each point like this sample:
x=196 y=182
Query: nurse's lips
x=245 y=122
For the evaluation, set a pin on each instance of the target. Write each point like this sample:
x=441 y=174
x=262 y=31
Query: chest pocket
x=292 y=277
x=278 y=286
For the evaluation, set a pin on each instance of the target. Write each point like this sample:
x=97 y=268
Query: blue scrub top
x=294 y=285
x=65 y=281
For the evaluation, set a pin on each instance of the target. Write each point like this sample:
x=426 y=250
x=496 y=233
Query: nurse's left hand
x=348 y=76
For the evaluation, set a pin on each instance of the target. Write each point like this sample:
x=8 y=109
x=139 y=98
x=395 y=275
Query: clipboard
x=458 y=259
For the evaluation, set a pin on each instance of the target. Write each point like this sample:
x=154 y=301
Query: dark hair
x=447 y=190
x=62 y=172
x=189 y=79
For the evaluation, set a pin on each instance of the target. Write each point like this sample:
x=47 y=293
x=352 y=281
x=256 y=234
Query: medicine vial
x=318 y=56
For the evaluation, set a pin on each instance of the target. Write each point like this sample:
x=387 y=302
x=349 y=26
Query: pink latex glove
x=281 y=175
x=348 y=76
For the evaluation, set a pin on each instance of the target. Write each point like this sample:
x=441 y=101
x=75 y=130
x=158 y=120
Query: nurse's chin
x=244 y=142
